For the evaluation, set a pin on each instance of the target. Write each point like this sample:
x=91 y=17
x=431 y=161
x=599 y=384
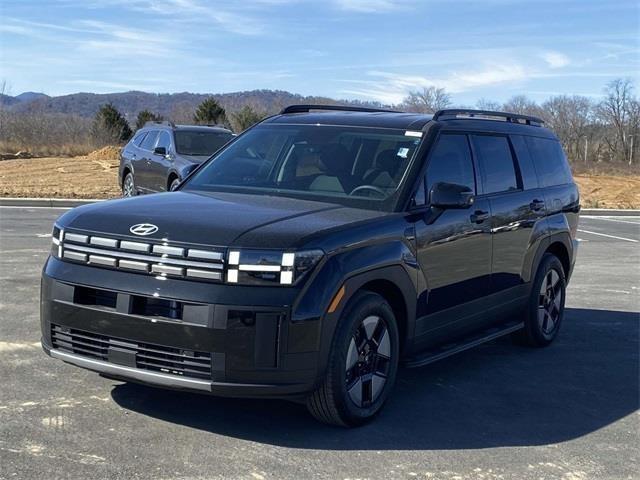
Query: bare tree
x=616 y=109
x=570 y=117
x=485 y=104
x=523 y=105
x=427 y=100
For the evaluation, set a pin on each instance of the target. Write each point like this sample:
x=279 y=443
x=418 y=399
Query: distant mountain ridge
x=169 y=105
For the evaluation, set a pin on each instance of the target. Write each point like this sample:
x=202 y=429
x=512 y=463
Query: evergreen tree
x=110 y=127
x=146 y=116
x=245 y=118
x=210 y=112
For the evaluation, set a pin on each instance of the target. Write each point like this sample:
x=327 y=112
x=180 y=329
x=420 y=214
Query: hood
x=223 y=219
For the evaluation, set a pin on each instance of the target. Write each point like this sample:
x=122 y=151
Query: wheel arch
x=171 y=177
x=126 y=170
x=559 y=249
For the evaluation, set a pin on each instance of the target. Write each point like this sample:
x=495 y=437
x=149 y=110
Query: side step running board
x=463 y=344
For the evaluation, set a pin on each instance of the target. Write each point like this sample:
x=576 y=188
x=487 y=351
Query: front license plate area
x=120 y=356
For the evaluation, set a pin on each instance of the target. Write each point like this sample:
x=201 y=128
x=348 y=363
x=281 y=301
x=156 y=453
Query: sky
x=357 y=49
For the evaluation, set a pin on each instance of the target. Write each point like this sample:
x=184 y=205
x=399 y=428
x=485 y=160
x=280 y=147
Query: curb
x=614 y=212
x=46 y=202
x=76 y=202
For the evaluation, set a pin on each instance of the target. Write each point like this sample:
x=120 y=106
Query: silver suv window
x=150 y=140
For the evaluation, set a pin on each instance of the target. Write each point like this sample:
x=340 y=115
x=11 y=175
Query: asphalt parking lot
x=497 y=412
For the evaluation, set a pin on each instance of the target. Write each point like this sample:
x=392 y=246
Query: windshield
x=360 y=167
x=194 y=142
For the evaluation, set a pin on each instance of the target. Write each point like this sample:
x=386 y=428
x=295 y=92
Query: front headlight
x=56 y=237
x=264 y=267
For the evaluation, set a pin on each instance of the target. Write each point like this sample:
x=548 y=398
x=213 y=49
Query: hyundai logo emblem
x=143 y=229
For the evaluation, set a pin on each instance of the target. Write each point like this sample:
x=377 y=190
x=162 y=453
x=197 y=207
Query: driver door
x=453 y=249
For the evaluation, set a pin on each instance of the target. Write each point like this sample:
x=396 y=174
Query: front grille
x=160 y=259
x=145 y=356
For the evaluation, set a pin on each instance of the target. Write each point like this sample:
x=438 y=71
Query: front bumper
x=138 y=328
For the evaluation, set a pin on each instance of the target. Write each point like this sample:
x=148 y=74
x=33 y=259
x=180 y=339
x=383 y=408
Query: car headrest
x=334 y=159
x=388 y=161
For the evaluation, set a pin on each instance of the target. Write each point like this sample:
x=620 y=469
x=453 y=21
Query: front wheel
x=362 y=365
x=546 y=304
x=175 y=183
x=129 y=186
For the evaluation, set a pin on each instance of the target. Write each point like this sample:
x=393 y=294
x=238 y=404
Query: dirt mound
x=109 y=152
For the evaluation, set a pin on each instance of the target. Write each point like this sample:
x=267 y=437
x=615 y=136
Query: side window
x=550 y=161
x=451 y=162
x=137 y=140
x=164 y=140
x=497 y=169
x=149 y=141
x=527 y=170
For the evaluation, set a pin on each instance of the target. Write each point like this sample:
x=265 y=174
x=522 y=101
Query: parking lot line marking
x=25 y=207
x=611 y=220
x=610 y=236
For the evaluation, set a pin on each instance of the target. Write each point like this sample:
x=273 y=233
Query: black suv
x=317 y=252
x=161 y=154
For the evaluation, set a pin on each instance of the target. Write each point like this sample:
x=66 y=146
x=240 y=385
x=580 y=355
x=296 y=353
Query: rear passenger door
x=517 y=205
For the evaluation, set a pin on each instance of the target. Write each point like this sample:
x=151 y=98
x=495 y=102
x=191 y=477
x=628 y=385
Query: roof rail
x=449 y=113
x=168 y=123
x=343 y=108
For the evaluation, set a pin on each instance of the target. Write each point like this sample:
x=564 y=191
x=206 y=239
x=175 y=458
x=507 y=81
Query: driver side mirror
x=450 y=195
x=160 y=151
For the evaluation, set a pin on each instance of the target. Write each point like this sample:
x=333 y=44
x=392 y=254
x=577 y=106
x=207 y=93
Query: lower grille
x=145 y=356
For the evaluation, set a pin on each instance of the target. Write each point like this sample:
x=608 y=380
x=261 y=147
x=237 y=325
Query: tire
x=174 y=184
x=362 y=365
x=546 y=304
x=129 y=186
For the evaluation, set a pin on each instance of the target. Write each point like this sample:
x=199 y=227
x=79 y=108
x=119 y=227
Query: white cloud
x=390 y=88
x=368 y=6
x=555 y=59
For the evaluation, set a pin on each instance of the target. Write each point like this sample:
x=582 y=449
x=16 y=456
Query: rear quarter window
x=527 y=170
x=497 y=169
x=550 y=161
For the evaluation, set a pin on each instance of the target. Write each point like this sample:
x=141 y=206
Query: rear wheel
x=362 y=366
x=546 y=305
x=129 y=186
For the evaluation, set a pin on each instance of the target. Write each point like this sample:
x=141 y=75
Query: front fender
x=392 y=261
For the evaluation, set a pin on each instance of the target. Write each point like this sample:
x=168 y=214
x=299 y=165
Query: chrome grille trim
x=169 y=270
x=149 y=258
x=74 y=237
x=99 y=260
x=80 y=257
x=204 y=254
x=104 y=242
x=140 y=266
x=135 y=246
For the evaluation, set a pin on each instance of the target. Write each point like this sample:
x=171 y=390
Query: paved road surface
x=497 y=412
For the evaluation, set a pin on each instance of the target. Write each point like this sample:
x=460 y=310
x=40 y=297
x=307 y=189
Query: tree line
x=600 y=134
x=592 y=132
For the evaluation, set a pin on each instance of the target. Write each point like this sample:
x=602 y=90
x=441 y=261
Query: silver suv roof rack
x=461 y=113
x=166 y=123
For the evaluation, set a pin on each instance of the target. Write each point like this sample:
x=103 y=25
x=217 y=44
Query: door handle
x=536 y=205
x=479 y=216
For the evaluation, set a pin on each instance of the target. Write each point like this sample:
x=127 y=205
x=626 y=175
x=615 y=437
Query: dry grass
x=91 y=176
x=609 y=191
x=96 y=176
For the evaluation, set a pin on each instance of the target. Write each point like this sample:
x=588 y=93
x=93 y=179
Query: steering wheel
x=372 y=188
